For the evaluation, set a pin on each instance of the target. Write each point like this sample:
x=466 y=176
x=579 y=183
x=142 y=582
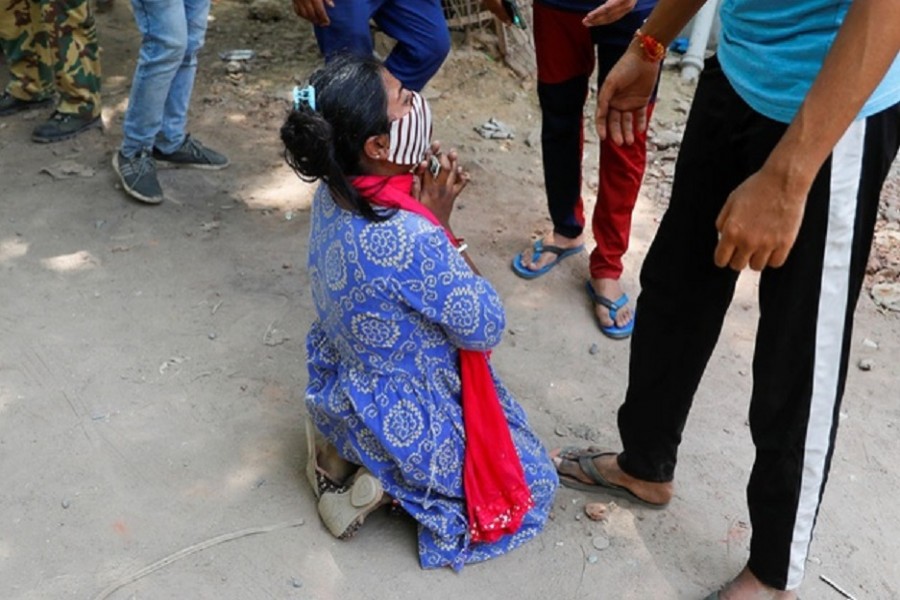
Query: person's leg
x=684 y=295
x=565 y=60
x=72 y=45
x=164 y=39
x=620 y=177
x=802 y=347
x=173 y=145
x=173 y=128
x=75 y=51
x=349 y=29
x=30 y=72
x=423 y=40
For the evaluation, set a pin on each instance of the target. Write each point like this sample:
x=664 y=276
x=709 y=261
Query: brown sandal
x=584 y=458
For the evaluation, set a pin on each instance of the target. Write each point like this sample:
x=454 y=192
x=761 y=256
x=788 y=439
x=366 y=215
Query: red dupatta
x=496 y=493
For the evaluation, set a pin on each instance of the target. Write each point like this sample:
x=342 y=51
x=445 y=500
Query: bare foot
x=747 y=587
x=332 y=465
x=551 y=239
x=608 y=466
x=611 y=289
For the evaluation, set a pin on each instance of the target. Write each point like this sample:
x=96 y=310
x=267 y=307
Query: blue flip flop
x=612 y=331
x=521 y=270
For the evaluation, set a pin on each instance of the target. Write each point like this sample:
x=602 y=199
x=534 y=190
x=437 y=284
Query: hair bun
x=307 y=143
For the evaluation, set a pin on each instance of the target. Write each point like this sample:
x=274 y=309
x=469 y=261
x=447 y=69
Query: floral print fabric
x=394 y=302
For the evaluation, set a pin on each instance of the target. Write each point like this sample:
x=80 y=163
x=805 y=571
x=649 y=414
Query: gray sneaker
x=193 y=154
x=138 y=176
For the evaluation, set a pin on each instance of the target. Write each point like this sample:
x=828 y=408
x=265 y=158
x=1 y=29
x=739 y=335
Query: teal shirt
x=772 y=50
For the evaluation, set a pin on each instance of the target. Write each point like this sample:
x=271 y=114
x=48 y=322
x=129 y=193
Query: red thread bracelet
x=653 y=50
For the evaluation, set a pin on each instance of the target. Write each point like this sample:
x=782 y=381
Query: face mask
x=411 y=134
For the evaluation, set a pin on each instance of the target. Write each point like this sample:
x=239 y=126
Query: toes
x=568 y=467
x=528 y=260
x=603 y=316
x=623 y=317
x=538 y=265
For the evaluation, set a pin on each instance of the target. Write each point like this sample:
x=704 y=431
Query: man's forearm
x=865 y=47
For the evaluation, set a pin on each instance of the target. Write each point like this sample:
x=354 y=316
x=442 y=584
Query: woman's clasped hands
x=439 y=180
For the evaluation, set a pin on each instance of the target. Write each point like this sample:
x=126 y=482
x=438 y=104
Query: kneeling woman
x=399 y=383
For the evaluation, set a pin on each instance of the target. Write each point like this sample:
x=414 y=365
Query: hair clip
x=305 y=96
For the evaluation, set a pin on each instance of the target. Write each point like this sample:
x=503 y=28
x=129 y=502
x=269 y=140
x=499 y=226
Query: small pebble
x=577 y=517
x=870 y=344
x=594 y=349
x=211 y=336
x=296 y=582
x=65 y=504
x=561 y=430
x=596 y=511
x=865 y=364
x=600 y=542
x=592 y=559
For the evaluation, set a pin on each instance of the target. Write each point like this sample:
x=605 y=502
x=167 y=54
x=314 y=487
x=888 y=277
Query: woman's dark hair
x=326 y=143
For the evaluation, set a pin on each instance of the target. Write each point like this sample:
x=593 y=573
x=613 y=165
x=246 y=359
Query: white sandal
x=343 y=512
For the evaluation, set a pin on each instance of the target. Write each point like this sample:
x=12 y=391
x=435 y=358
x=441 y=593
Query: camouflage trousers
x=51 y=46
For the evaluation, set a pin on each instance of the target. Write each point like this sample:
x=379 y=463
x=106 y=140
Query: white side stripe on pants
x=846 y=166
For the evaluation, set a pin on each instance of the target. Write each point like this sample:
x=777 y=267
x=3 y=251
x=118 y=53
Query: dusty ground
x=152 y=365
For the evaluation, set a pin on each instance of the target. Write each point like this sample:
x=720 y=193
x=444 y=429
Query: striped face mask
x=411 y=134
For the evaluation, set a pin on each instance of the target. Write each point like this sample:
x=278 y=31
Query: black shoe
x=10 y=105
x=138 y=177
x=193 y=154
x=62 y=126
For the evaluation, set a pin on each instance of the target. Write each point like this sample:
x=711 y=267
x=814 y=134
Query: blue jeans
x=172 y=33
x=418 y=26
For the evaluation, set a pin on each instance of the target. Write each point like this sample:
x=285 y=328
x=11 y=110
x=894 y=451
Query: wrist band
x=652 y=48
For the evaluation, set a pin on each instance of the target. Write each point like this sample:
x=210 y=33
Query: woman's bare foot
x=611 y=289
x=608 y=466
x=746 y=586
x=551 y=239
x=326 y=470
x=332 y=465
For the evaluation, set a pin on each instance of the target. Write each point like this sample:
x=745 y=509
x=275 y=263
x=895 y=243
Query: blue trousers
x=172 y=33
x=419 y=27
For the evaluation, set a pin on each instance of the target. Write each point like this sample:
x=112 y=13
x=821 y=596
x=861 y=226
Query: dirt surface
x=152 y=367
